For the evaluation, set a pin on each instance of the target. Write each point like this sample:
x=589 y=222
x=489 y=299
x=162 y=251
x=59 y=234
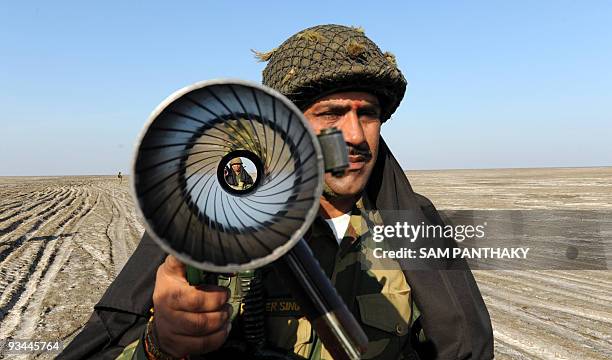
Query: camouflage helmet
x=325 y=59
x=235 y=161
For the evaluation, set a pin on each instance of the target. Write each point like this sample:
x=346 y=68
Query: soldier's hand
x=188 y=319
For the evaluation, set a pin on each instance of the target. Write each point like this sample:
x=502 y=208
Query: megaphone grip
x=196 y=276
x=193 y=275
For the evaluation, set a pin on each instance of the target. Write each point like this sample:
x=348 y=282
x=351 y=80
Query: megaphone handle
x=196 y=276
x=335 y=325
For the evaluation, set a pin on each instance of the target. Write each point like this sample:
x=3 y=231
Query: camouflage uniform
x=379 y=299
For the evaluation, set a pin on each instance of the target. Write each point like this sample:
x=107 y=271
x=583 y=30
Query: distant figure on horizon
x=120 y=177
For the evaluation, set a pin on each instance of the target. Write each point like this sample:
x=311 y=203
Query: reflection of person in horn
x=338 y=77
x=237 y=177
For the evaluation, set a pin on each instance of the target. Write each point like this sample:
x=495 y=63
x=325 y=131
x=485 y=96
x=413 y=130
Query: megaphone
x=217 y=217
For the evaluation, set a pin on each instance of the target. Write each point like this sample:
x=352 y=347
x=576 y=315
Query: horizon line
x=404 y=170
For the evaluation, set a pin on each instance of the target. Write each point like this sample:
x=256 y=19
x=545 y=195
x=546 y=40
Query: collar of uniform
x=356 y=229
x=359 y=225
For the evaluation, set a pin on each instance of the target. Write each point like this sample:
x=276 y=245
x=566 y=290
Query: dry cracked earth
x=64 y=239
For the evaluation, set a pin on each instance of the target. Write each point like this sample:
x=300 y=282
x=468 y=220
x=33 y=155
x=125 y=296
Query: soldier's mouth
x=356 y=162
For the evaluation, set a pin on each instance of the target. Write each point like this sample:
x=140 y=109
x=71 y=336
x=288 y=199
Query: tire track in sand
x=27 y=215
x=55 y=256
x=38 y=200
x=38 y=220
x=32 y=264
x=19 y=265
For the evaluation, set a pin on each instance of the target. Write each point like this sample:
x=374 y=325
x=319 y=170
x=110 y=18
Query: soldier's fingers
x=199 y=324
x=208 y=343
x=180 y=346
x=174 y=265
x=204 y=298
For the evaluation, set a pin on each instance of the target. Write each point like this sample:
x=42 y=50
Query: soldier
x=237 y=176
x=338 y=77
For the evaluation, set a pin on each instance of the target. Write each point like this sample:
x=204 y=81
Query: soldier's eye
x=330 y=115
x=370 y=113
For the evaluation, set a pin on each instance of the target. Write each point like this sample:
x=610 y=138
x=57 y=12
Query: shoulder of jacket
x=429 y=210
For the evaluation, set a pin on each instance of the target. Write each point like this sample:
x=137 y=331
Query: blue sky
x=491 y=83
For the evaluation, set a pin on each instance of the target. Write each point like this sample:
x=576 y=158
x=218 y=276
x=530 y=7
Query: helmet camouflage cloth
x=236 y=161
x=325 y=59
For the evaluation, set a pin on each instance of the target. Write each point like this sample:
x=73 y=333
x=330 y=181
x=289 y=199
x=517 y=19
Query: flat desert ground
x=64 y=239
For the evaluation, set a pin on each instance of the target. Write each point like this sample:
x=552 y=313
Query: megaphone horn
x=179 y=175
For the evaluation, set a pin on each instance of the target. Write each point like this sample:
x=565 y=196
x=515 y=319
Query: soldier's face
x=236 y=167
x=357 y=114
